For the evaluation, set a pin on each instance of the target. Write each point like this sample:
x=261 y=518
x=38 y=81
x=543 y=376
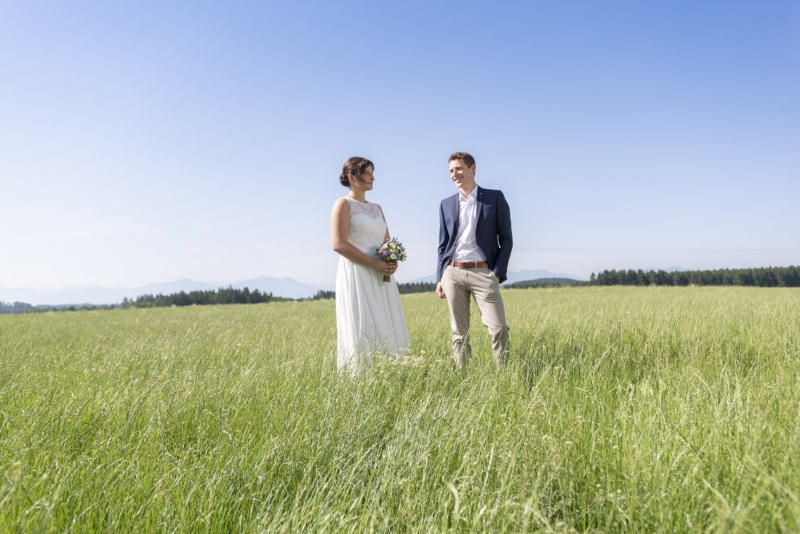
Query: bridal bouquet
x=391 y=250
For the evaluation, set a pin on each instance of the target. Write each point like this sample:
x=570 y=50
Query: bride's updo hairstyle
x=355 y=166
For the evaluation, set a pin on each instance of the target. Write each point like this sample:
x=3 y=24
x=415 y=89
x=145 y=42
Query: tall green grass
x=623 y=409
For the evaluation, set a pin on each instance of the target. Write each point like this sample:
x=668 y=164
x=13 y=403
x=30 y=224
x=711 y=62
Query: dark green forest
x=24 y=307
x=227 y=295
x=416 y=287
x=15 y=307
x=545 y=283
x=756 y=277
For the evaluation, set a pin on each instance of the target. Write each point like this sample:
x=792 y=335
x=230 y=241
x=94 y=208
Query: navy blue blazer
x=493 y=232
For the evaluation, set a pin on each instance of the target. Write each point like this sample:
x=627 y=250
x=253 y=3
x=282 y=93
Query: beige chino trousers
x=458 y=284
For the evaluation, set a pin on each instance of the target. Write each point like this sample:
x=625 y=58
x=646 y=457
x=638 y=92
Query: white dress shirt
x=466 y=245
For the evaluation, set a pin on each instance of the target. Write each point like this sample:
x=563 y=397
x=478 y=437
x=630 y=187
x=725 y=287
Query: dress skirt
x=369 y=317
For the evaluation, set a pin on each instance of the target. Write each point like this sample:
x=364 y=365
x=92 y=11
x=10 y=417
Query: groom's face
x=462 y=176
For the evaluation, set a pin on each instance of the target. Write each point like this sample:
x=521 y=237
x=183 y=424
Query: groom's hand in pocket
x=440 y=291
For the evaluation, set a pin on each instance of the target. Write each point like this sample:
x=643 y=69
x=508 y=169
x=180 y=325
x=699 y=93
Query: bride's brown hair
x=355 y=166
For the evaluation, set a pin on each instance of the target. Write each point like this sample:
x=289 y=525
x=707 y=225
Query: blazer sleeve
x=443 y=239
x=504 y=238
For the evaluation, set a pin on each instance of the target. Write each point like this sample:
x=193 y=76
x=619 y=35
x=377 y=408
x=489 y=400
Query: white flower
x=393 y=256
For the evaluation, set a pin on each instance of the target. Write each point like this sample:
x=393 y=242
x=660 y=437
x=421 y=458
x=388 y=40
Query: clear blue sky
x=149 y=141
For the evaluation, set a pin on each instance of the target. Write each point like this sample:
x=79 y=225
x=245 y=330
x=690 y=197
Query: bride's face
x=364 y=181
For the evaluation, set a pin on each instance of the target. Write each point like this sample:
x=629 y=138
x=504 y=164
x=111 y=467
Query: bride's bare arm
x=387 y=237
x=340 y=225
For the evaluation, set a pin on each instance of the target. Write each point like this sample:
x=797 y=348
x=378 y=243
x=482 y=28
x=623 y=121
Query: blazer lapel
x=455 y=214
x=478 y=208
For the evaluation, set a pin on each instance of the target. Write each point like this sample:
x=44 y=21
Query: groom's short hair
x=468 y=160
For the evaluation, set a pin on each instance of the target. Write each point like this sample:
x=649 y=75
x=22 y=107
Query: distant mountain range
x=280 y=287
x=519 y=276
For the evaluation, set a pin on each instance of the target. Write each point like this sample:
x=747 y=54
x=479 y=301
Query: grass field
x=624 y=409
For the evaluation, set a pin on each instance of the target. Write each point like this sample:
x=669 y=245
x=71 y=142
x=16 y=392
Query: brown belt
x=469 y=264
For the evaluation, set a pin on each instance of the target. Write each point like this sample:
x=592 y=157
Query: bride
x=369 y=314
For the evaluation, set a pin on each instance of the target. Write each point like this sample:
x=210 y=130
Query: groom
x=474 y=249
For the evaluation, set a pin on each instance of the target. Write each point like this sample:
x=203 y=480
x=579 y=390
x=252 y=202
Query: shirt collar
x=473 y=195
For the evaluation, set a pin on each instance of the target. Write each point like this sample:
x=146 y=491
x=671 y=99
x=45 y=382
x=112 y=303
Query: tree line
x=545 y=283
x=14 y=307
x=416 y=287
x=24 y=307
x=227 y=295
x=756 y=277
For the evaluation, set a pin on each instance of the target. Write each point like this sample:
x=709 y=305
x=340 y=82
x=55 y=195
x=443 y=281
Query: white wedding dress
x=369 y=314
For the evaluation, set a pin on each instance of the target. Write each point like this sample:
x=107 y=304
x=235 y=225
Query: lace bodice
x=367 y=227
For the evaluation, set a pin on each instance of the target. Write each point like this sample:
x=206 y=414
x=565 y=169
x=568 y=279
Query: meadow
x=624 y=409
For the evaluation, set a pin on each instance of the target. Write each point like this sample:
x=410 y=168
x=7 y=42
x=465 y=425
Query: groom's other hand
x=440 y=291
